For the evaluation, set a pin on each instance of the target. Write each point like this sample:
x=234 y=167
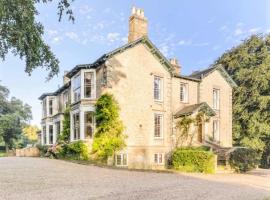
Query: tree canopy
x=14 y=115
x=21 y=34
x=249 y=66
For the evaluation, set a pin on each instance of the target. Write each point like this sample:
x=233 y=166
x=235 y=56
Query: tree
x=109 y=137
x=21 y=34
x=30 y=133
x=14 y=115
x=249 y=66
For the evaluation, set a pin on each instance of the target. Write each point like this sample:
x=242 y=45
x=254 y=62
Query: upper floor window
x=157 y=88
x=50 y=107
x=44 y=107
x=216 y=99
x=88 y=84
x=76 y=126
x=76 y=85
x=216 y=130
x=184 y=92
x=65 y=99
x=158 y=122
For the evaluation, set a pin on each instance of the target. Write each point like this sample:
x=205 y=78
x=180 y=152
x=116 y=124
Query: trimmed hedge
x=244 y=159
x=193 y=160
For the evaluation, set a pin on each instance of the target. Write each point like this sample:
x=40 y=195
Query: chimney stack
x=65 y=78
x=137 y=24
x=177 y=68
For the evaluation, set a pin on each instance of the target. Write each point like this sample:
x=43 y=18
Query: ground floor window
x=89 y=124
x=44 y=135
x=121 y=159
x=158 y=158
x=76 y=126
x=58 y=128
x=50 y=134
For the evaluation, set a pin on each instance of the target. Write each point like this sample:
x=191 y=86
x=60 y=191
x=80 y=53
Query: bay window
x=76 y=126
x=44 y=107
x=89 y=124
x=50 y=134
x=76 y=85
x=88 y=84
x=50 y=106
x=44 y=135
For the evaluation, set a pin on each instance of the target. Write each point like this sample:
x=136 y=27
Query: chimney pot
x=177 y=68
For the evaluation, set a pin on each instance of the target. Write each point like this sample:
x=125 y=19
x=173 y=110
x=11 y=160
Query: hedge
x=244 y=159
x=193 y=160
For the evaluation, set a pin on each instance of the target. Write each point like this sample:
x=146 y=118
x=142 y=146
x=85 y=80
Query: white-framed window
x=50 y=106
x=184 y=92
x=58 y=128
x=158 y=158
x=121 y=159
x=76 y=126
x=76 y=85
x=66 y=99
x=44 y=107
x=216 y=130
x=88 y=84
x=44 y=135
x=89 y=124
x=157 y=88
x=50 y=134
x=158 y=125
x=216 y=99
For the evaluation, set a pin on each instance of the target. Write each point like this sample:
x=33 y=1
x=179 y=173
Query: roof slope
x=189 y=110
x=201 y=74
x=143 y=40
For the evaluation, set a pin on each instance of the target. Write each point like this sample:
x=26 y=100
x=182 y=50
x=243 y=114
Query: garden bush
x=244 y=159
x=193 y=160
x=42 y=149
x=76 y=150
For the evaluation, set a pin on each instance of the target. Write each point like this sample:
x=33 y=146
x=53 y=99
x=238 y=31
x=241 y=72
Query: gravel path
x=38 y=179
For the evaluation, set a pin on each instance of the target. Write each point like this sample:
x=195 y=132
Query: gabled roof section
x=144 y=40
x=61 y=89
x=201 y=74
x=187 y=78
x=189 y=110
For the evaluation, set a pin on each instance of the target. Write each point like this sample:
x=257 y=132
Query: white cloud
x=165 y=50
x=85 y=10
x=254 y=30
x=223 y=28
x=216 y=47
x=56 y=40
x=267 y=30
x=52 y=32
x=124 y=39
x=72 y=35
x=185 y=42
x=112 y=37
x=238 y=31
x=203 y=44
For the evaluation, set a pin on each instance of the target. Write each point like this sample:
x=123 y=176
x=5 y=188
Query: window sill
x=158 y=138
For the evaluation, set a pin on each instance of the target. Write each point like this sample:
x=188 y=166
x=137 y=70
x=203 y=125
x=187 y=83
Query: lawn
x=2 y=153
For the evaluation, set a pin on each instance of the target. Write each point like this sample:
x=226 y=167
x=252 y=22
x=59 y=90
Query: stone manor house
x=152 y=94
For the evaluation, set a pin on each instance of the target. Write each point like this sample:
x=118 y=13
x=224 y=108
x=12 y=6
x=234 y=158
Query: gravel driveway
x=38 y=179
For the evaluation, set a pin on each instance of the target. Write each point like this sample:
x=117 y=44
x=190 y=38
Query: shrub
x=42 y=149
x=244 y=159
x=77 y=150
x=193 y=160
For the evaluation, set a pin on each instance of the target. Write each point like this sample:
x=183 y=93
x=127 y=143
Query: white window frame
x=50 y=134
x=74 y=81
x=184 y=92
x=160 y=126
x=44 y=107
x=50 y=106
x=216 y=98
x=73 y=126
x=44 y=134
x=157 y=157
x=216 y=130
x=90 y=124
x=122 y=164
x=92 y=85
x=160 y=89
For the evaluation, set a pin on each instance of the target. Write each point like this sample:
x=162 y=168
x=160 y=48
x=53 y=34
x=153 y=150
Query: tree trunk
x=7 y=148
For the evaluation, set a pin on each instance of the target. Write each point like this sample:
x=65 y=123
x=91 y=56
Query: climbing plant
x=65 y=134
x=109 y=137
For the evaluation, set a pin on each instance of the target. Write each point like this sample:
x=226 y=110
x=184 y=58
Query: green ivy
x=65 y=134
x=109 y=136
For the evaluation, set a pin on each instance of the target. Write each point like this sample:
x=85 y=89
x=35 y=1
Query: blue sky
x=195 y=32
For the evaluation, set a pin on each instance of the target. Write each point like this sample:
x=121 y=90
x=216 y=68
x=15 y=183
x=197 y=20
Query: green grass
x=2 y=153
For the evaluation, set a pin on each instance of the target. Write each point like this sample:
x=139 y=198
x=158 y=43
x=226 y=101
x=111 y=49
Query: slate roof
x=189 y=110
x=61 y=89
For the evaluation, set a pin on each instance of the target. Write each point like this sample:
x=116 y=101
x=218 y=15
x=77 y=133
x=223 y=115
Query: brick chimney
x=177 y=67
x=65 y=78
x=137 y=24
